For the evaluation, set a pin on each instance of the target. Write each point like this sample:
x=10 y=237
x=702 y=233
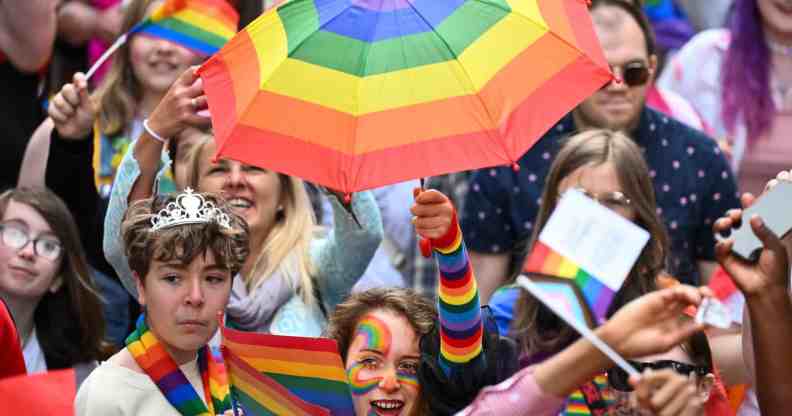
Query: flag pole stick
x=106 y=55
x=580 y=327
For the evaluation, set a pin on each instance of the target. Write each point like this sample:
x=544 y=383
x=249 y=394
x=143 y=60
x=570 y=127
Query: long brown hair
x=120 y=92
x=69 y=322
x=536 y=327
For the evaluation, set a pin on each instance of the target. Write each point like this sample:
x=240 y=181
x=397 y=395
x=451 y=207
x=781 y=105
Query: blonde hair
x=120 y=92
x=287 y=246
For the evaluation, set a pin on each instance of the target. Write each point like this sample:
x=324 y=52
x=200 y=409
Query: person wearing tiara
x=183 y=250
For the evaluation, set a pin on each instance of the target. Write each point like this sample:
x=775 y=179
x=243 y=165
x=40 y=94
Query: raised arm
x=765 y=285
x=27 y=32
x=342 y=256
x=458 y=301
x=645 y=326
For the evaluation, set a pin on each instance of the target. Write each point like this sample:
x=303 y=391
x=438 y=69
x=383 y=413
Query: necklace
x=779 y=48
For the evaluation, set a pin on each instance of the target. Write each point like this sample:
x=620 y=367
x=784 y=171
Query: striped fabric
x=203 y=26
x=576 y=402
x=458 y=301
x=548 y=262
x=155 y=361
x=387 y=85
x=284 y=375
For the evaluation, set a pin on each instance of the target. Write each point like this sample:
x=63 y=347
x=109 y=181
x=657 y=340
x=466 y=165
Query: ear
x=141 y=289
x=56 y=284
x=653 y=66
x=705 y=387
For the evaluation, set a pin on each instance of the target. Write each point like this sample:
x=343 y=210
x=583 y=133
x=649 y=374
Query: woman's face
x=601 y=183
x=253 y=193
x=777 y=17
x=27 y=272
x=626 y=403
x=382 y=365
x=157 y=62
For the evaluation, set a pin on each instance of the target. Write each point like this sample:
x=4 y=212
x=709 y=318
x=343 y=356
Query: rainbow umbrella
x=356 y=94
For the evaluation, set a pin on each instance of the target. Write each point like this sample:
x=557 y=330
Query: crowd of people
x=101 y=270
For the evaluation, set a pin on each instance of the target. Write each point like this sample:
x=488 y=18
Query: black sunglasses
x=618 y=378
x=634 y=74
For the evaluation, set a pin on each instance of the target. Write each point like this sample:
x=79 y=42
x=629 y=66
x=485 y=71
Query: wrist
x=154 y=132
x=775 y=299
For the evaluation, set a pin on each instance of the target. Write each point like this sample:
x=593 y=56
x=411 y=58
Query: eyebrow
x=23 y=223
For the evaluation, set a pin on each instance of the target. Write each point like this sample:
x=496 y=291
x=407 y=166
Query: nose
x=195 y=295
x=389 y=383
x=27 y=251
x=164 y=46
x=236 y=177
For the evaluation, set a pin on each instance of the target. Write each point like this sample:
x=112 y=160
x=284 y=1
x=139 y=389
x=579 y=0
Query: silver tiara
x=189 y=208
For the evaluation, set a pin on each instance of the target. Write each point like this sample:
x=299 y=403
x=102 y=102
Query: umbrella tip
x=347 y=198
x=515 y=167
x=617 y=79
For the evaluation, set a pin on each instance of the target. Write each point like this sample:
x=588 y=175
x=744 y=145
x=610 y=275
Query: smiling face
x=382 y=365
x=156 y=62
x=253 y=193
x=182 y=302
x=24 y=274
x=777 y=18
x=617 y=106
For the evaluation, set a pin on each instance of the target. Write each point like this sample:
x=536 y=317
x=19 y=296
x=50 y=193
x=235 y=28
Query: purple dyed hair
x=746 y=72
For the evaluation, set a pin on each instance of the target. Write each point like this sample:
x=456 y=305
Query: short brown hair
x=182 y=243
x=535 y=326
x=635 y=9
x=419 y=311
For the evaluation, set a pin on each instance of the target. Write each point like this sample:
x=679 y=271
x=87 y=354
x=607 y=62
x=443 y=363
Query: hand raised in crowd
x=433 y=213
x=179 y=108
x=666 y=393
x=650 y=324
x=72 y=110
x=771 y=271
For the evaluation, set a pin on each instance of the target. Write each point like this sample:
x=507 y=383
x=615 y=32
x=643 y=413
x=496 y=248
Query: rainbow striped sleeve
x=458 y=301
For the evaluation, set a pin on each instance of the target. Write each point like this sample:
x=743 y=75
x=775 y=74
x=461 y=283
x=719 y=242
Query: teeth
x=388 y=404
x=239 y=203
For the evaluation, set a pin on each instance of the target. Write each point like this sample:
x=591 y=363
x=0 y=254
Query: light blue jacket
x=340 y=257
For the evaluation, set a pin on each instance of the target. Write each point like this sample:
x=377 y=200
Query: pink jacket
x=518 y=395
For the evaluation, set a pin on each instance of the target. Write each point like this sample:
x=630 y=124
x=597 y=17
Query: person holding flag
x=184 y=250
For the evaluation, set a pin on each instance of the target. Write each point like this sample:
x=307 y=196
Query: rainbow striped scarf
x=152 y=357
x=593 y=398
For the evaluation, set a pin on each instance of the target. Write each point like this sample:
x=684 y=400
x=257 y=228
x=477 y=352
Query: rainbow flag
x=564 y=280
x=284 y=375
x=203 y=26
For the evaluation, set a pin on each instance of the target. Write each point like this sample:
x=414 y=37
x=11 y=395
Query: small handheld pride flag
x=202 y=26
x=583 y=255
x=284 y=375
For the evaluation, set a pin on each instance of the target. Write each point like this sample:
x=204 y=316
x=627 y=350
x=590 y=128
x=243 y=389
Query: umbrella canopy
x=356 y=94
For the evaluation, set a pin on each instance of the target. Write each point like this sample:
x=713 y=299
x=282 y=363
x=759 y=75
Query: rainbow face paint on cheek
x=358 y=385
x=408 y=379
x=374 y=333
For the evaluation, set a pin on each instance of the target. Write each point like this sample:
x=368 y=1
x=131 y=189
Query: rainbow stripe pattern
x=375 y=333
x=576 y=403
x=202 y=26
x=154 y=359
x=370 y=92
x=461 y=328
x=283 y=375
x=585 y=297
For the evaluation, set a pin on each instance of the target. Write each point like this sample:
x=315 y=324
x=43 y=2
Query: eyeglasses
x=633 y=74
x=612 y=200
x=617 y=378
x=16 y=238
